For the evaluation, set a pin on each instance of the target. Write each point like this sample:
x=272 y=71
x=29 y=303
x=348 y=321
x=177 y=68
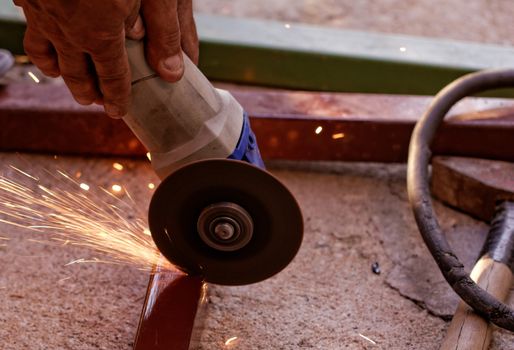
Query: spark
x=151 y=186
x=338 y=136
x=204 y=293
x=149 y=156
x=24 y=173
x=403 y=49
x=21 y=59
x=116 y=188
x=33 y=76
x=230 y=340
x=287 y=26
x=368 y=339
x=94 y=219
x=318 y=130
x=117 y=166
x=82 y=260
x=38 y=241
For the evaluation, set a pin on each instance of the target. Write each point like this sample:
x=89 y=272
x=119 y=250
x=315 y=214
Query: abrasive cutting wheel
x=227 y=220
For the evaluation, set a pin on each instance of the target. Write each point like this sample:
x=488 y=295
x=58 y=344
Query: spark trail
x=78 y=214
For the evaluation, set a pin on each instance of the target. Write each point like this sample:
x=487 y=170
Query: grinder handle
x=493 y=273
x=183 y=121
x=469 y=331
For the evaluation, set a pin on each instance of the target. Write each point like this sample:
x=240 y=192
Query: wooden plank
x=473 y=186
x=44 y=118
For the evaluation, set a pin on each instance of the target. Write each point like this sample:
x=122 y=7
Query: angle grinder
x=217 y=212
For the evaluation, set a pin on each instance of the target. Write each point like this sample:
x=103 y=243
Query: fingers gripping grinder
x=217 y=212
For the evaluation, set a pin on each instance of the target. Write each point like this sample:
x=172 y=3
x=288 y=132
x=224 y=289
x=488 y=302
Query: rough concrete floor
x=355 y=214
x=487 y=21
x=46 y=305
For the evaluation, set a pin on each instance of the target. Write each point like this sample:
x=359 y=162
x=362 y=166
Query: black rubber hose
x=421 y=202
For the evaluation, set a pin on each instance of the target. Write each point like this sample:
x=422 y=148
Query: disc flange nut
x=225 y=226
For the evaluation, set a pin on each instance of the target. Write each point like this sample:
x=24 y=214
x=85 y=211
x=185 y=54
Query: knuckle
x=113 y=73
x=49 y=68
x=107 y=54
x=68 y=58
x=81 y=95
x=95 y=42
x=123 y=7
x=77 y=80
x=112 y=68
x=168 y=39
x=50 y=72
x=31 y=47
x=115 y=89
x=84 y=99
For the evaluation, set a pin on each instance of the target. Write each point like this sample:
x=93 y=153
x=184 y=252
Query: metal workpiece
x=180 y=122
x=421 y=203
x=238 y=225
x=170 y=308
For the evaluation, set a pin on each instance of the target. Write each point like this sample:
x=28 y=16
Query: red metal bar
x=169 y=311
x=354 y=127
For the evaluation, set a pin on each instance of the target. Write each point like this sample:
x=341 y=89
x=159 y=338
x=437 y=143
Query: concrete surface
x=355 y=214
x=488 y=21
x=46 y=305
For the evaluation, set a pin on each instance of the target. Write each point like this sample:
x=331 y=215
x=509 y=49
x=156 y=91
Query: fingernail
x=173 y=64
x=113 y=111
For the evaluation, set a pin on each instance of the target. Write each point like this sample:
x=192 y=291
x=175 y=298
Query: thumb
x=163 y=49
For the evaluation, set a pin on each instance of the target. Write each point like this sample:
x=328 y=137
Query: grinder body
x=217 y=212
x=185 y=121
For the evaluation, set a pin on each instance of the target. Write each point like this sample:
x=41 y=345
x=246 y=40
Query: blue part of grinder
x=247 y=148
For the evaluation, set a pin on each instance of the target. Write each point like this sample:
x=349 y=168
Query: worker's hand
x=84 y=42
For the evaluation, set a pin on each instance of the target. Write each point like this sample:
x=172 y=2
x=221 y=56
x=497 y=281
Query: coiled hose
x=420 y=199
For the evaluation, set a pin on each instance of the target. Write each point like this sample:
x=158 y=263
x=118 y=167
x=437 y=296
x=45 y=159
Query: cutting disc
x=227 y=220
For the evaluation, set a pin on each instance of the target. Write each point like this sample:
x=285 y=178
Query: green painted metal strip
x=316 y=58
x=12 y=27
x=11 y=35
